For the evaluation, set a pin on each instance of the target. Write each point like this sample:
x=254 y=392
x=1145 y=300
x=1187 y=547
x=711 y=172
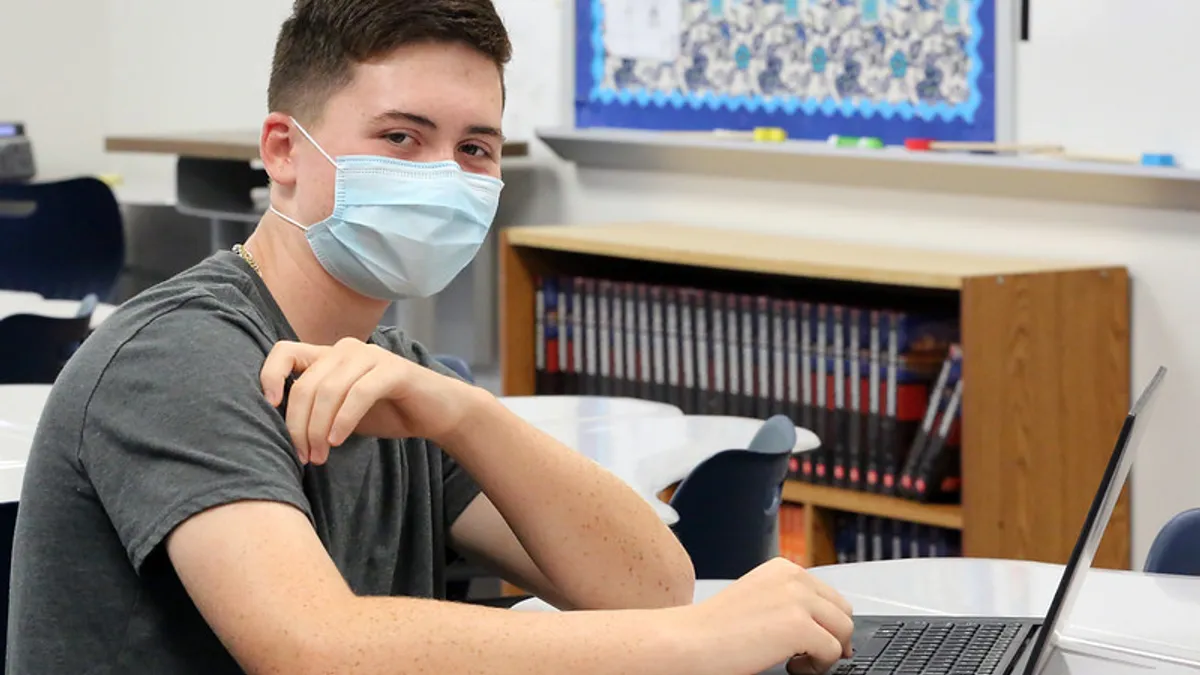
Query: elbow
x=305 y=645
x=675 y=579
x=681 y=582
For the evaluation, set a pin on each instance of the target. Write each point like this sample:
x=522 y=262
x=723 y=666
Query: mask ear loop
x=315 y=144
x=321 y=150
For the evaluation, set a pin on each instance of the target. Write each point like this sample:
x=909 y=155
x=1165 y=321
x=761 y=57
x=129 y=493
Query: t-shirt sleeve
x=459 y=489
x=178 y=424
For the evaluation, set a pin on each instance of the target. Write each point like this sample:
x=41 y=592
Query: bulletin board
x=892 y=69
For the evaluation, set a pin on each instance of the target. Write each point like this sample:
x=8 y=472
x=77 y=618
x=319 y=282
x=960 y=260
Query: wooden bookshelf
x=1045 y=351
x=948 y=516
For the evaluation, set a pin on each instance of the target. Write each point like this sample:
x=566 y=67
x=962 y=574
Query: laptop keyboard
x=932 y=648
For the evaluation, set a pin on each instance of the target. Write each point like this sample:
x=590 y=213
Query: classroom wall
x=1088 y=79
x=1083 y=80
x=52 y=76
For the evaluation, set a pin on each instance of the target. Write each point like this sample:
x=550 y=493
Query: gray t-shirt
x=159 y=416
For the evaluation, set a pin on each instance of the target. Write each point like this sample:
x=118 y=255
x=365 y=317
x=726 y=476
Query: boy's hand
x=354 y=387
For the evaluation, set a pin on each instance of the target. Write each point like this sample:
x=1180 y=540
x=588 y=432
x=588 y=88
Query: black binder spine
x=920 y=442
x=658 y=358
x=673 y=338
x=591 y=328
x=891 y=429
x=873 y=420
x=821 y=472
x=631 y=340
x=563 y=378
x=720 y=388
x=838 y=460
x=604 y=335
x=749 y=348
x=733 y=364
x=855 y=418
x=576 y=337
x=644 y=349
x=687 y=315
x=779 y=362
x=763 y=380
x=808 y=465
x=704 y=348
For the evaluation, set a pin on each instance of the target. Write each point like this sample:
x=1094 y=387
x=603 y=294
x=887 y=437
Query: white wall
x=52 y=76
x=1099 y=76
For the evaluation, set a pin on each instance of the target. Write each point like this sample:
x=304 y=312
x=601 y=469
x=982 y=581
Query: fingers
x=286 y=358
x=362 y=396
x=826 y=591
x=833 y=612
x=331 y=392
x=802 y=665
x=822 y=649
x=300 y=404
x=835 y=622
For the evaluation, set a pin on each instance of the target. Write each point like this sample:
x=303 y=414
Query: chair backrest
x=456 y=364
x=1176 y=548
x=728 y=506
x=34 y=349
x=62 y=239
x=87 y=306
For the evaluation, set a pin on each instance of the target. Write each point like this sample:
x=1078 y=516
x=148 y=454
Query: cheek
x=314 y=195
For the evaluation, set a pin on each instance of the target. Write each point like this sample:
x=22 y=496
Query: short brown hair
x=322 y=40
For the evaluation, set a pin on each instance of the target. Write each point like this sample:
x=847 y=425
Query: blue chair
x=1176 y=549
x=729 y=505
x=456 y=364
x=41 y=345
x=63 y=239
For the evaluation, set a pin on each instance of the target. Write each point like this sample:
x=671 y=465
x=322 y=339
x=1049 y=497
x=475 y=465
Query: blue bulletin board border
x=600 y=106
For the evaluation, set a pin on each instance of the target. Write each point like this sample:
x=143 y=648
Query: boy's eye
x=474 y=150
x=398 y=137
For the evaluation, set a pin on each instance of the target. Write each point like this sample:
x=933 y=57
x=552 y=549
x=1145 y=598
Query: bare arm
x=595 y=542
x=260 y=577
x=482 y=536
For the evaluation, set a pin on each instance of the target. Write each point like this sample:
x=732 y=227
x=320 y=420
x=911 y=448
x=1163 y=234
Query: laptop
x=940 y=645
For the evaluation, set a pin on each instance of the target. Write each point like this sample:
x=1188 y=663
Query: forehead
x=450 y=83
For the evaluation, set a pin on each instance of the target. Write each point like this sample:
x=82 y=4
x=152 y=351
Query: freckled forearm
x=594 y=538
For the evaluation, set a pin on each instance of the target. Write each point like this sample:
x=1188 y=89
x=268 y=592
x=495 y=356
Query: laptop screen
x=1115 y=475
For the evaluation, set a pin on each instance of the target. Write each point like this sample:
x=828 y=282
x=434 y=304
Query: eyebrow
x=423 y=121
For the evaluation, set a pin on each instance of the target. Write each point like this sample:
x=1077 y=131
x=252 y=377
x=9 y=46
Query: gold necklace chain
x=246 y=255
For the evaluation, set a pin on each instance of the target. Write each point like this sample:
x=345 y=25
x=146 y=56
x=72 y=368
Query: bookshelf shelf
x=948 y=516
x=1019 y=177
x=774 y=254
x=1045 y=349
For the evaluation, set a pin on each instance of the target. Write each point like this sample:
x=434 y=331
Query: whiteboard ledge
x=1019 y=177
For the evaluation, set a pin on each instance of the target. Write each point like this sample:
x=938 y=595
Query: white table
x=1122 y=622
x=653 y=453
x=540 y=409
x=20 y=409
x=20 y=302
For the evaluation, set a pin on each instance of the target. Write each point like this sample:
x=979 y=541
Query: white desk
x=652 y=453
x=1118 y=622
x=540 y=409
x=14 y=302
x=20 y=409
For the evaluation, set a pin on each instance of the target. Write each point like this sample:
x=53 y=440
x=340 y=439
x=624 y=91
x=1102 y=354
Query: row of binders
x=881 y=388
x=859 y=538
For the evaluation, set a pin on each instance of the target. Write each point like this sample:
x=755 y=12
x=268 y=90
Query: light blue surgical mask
x=400 y=229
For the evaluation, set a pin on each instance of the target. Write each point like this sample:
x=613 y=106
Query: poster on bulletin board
x=892 y=69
